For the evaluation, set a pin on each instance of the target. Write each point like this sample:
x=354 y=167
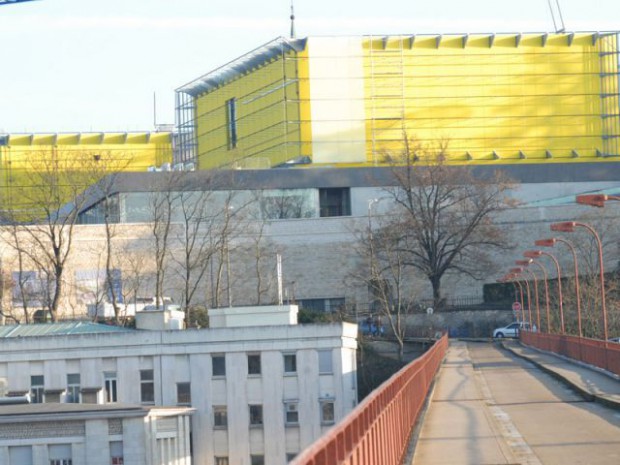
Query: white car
x=512 y=330
x=614 y=339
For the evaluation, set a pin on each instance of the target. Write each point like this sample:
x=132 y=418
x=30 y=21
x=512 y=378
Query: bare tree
x=47 y=213
x=385 y=273
x=444 y=214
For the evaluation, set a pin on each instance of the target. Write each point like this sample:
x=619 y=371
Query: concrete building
x=259 y=394
x=88 y=434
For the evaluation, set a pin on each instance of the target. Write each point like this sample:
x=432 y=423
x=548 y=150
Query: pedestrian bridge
x=490 y=403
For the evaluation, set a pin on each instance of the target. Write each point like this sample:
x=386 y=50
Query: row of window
x=289 y=360
x=291 y=414
x=60 y=454
x=147 y=379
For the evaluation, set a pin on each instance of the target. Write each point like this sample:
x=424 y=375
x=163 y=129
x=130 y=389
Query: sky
x=86 y=65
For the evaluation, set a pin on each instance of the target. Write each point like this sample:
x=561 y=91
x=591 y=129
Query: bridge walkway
x=490 y=406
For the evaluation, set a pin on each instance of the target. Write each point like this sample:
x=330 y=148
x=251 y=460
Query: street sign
x=516 y=306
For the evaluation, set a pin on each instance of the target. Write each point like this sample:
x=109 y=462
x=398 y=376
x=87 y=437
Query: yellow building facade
x=351 y=101
x=28 y=161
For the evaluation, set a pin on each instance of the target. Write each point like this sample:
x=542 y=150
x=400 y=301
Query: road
x=491 y=407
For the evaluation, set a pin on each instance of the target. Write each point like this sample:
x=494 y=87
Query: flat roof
x=58 y=329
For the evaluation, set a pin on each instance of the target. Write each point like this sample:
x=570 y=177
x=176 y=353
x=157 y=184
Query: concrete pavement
x=490 y=407
x=591 y=383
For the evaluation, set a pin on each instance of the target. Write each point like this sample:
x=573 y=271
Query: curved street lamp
x=538 y=254
x=519 y=272
x=595 y=200
x=546 y=280
x=569 y=227
x=550 y=243
x=525 y=264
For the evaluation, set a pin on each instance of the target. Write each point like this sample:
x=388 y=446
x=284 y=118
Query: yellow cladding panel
x=23 y=161
x=516 y=95
x=267 y=114
x=305 y=110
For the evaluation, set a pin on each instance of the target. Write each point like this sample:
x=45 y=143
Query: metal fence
x=595 y=352
x=378 y=430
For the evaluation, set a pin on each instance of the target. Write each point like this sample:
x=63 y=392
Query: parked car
x=512 y=330
x=614 y=339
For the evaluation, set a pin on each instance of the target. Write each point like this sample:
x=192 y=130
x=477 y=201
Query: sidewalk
x=590 y=383
x=460 y=426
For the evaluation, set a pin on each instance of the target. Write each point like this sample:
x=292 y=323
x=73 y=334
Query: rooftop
x=58 y=329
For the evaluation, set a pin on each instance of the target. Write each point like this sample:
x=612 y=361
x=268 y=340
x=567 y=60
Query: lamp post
x=595 y=200
x=525 y=264
x=550 y=243
x=510 y=278
x=539 y=253
x=569 y=226
x=519 y=271
x=546 y=280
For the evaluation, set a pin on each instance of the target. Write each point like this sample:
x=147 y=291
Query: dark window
x=221 y=460
x=257 y=460
x=327 y=412
x=109 y=380
x=147 y=387
x=36 y=389
x=292 y=412
x=254 y=364
x=290 y=363
x=73 y=388
x=184 y=394
x=256 y=415
x=231 y=122
x=220 y=417
x=219 y=365
x=335 y=202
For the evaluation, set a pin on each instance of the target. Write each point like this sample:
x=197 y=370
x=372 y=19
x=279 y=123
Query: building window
x=325 y=362
x=257 y=460
x=60 y=454
x=73 y=388
x=254 y=364
x=109 y=382
x=36 y=389
x=334 y=202
x=291 y=412
x=220 y=417
x=290 y=363
x=256 y=415
x=327 y=412
x=116 y=453
x=290 y=456
x=20 y=455
x=221 y=460
x=184 y=394
x=231 y=122
x=147 y=387
x=219 y=365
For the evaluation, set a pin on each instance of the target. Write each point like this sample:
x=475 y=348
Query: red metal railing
x=377 y=431
x=595 y=352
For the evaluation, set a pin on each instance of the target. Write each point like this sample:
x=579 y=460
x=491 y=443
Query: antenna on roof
x=555 y=26
x=292 y=21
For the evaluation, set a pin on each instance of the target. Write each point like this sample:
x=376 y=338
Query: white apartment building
x=74 y=433
x=259 y=394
